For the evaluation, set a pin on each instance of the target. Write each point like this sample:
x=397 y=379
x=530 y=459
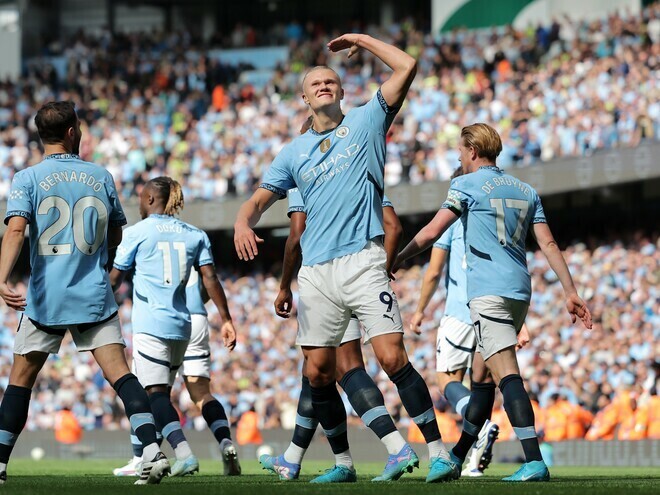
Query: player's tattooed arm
x=217 y=293
x=116 y=278
x=12 y=242
x=292 y=252
x=429 y=286
x=394 y=90
x=393 y=232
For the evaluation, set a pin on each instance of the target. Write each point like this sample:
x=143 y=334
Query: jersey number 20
x=45 y=248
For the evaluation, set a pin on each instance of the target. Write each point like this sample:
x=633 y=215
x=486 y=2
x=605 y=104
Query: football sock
x=368 y=402
x=168 y=423
x=136 y=444
x=329 y=409
x=215 y=416
x=138 y=410
x=518 y=408
x=477 y=412
x=458 y=396
x=13 y=416
x=416 y=398
x=306 y=424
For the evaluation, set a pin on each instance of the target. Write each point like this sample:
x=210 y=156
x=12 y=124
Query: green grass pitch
x=93 y=477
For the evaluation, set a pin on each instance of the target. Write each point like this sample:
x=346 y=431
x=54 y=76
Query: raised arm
x=429 y=286
x=217 y=294
x=574 y=304
x=394 y=90
x=245 y=240
x=393 y=233
x=292 y=252
x=427 y=236
x=12 y=242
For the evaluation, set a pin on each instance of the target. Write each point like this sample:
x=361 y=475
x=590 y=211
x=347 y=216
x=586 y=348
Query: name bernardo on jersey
x=338 y=163
x=70 y=176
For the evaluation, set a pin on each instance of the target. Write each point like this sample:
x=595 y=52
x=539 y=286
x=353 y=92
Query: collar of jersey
x=316 y=133
x=160 y=215
x=62 y=156
x=493 y=168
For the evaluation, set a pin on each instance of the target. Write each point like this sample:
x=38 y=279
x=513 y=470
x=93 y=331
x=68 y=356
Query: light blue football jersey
x=163 y=250
x=296 y=203
x=194 y=301
x=496 y=210
x=456 y=277
x=339 y=174
x=69 y=204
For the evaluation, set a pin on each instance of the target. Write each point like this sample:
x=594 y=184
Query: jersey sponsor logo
x=454 y=200
x=325 y=145
x=342 y=132
x=339 y=162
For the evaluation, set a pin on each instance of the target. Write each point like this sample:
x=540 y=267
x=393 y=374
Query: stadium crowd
x=608 y=378
x=157 y=104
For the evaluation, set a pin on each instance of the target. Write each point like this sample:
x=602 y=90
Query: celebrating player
x=74 y=216
x=363 y=394
x=338 y=167
x=163 y=250
x=196 y=372
x=497 y=211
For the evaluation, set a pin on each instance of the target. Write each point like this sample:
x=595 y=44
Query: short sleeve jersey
x=163 y=250
x=69 y=205
x=194 y=301
x=496 y=210
x=339 y=175
x=456 y=275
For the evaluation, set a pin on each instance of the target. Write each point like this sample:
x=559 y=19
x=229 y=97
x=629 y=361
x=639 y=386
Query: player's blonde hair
x=170 y=192
x=315 y=68
x=484 y=139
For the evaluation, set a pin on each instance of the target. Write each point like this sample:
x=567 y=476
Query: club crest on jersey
x=342 y=132
x=325 y=145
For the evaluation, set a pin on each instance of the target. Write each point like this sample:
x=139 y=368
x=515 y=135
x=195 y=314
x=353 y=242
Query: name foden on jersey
x=70 y=176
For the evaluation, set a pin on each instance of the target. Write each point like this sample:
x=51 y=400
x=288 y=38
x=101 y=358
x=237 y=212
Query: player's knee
x=320 y=377
x=393 y=361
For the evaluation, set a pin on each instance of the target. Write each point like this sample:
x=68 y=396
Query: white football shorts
x=353 y=284
x=455 y=345
x=197 y=360
x=156 y=361
x=497 y=321
x=87 y=337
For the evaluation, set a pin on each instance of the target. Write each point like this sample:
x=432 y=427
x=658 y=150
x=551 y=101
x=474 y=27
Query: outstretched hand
x=578 y=309
x=348 y=41
x=245 y=242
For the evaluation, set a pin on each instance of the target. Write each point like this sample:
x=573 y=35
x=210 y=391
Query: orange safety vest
x=653 y=430
x=247 y=429
x=67 y=428
x=634 y=426
x=578 y=422
x=604 y=423
x=556 y=422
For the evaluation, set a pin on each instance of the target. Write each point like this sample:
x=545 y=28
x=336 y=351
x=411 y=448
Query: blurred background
x=209 y=92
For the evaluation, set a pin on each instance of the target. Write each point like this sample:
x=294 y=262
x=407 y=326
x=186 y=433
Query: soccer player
x=363 y=394
x=74 y=216
x=196 y=372
x=497 y=210
x=338 y=167
x=163 y=250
